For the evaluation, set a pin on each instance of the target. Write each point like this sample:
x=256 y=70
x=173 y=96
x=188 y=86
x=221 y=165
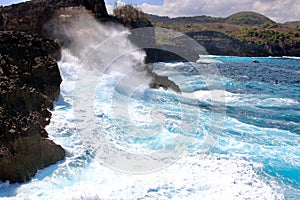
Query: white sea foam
x=207 y=60
x=211 y=177
x=292 y=57
x=172 y=64
x=80 y=176
x=236 y=99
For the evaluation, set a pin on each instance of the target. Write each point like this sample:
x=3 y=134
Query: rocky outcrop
x=32 y=15
x=161 y=81
x=29 y=83
x=283 y=49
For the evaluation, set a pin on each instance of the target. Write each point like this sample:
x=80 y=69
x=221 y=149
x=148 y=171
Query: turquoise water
x=239 y=126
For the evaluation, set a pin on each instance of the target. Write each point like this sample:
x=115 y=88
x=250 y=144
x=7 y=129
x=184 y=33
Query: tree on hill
x=129 y=14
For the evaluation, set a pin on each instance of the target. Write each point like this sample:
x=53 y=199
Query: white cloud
x=110 y=7
x=278 y=10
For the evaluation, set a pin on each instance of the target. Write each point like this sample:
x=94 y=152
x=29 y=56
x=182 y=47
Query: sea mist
x=100 y=47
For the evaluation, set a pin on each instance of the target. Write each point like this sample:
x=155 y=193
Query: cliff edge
x=30 y=82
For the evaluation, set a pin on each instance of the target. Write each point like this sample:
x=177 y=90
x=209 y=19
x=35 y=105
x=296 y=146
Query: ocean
x=233 y=133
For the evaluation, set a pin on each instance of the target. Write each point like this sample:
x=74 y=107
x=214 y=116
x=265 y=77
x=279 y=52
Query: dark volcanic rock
x=161 y=81
x=30 y=82
x=283 y=49
x=97 y=7
x=31 y=16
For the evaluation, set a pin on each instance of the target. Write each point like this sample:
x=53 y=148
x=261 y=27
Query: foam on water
x=80 y=176
x=211 y=177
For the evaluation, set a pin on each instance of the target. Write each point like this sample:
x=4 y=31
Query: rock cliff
x=217 y=43
x=30 y=82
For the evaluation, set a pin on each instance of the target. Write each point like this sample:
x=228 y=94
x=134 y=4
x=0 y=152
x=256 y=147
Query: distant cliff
x=241 y=34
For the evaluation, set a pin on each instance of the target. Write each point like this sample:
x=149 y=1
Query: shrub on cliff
x=129 y=14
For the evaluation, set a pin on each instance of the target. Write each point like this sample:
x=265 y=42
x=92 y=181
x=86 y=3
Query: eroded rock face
x=29 y=83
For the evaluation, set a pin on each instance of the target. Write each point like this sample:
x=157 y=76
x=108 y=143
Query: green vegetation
x=266 y=35
x=129 y=14
x=248 y=18
x=249 y=27
x=196 y=19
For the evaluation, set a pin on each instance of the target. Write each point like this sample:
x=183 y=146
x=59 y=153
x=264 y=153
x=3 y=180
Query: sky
x=277 y=10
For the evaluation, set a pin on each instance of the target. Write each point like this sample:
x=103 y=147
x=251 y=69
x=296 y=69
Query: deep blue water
x=237 y=121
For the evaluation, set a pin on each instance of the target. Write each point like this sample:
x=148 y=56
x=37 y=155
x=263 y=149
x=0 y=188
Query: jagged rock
x=32 y=15
x=30 y=82
x=97 y=6
x=164 y=82
x=25 y=155
x=28 y=59
x=161 y=81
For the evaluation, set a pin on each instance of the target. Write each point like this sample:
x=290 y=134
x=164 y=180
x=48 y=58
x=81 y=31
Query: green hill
x=248 y=18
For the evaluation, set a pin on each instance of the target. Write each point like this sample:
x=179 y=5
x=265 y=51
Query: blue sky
x=8 y=2
x=277 y=10
x=135 y=2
